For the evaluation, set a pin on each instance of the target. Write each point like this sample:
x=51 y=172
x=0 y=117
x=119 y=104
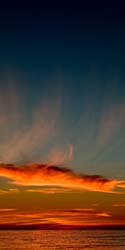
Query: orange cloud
x=119 y=205
x=10 y=190
x=52 y=190
x=47 y=175
x=7 y=209
x=122 y=185
x=74 y=215
x=103 y=214
x=83 y=212
x=39 y=217
x=3 y=192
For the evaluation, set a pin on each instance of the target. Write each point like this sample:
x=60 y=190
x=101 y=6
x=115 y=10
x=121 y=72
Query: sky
x=62 y=114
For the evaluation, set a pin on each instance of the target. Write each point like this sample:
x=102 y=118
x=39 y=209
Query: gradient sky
x=62 y=113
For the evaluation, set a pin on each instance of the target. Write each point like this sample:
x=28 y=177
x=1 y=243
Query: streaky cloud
x=7 y=209
x=8 y=191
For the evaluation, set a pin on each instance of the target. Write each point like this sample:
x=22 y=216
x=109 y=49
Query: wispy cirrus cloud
x=112 y=119
x=59 y=155
x=27 y=135
x=41 y=132
x=25 y=138
x=48 y=175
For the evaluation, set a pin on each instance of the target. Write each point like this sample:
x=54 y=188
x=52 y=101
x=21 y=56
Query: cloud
x=9 y=190
x=52 y=190
x=84 y=212
x=111 y=121
x=119 y=205
x=103 y=214
x=70 y=151
x=7 y=209
x=28 y=138
x=24 y=134
x=3 y=192
x=45 y=190
x=69 y=216
x=48 y=175
x=122 y=184
x=59 y=155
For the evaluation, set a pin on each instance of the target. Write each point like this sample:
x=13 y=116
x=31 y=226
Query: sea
x=62 y=240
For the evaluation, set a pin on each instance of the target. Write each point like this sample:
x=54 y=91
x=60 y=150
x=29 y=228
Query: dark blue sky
x=74 y=38
x=75 y=52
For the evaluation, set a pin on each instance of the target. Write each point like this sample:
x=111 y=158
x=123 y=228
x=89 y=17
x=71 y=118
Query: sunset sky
x=62 y=114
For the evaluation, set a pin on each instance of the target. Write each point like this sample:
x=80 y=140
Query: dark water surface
x=57 y=240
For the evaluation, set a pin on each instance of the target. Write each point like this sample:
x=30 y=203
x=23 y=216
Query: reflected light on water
x=62 y=240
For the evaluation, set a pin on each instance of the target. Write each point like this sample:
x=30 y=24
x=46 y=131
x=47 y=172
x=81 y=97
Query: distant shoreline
x=61 y=227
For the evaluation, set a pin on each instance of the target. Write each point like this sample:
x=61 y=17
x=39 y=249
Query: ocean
x=62 y=240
